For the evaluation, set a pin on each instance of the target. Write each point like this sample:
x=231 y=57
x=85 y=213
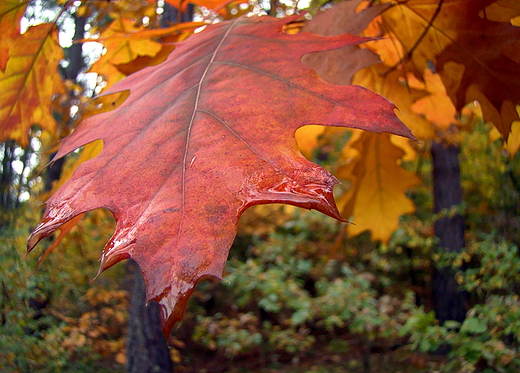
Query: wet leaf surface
x=203 y=136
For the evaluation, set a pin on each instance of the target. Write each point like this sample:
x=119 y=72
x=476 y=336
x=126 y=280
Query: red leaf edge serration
x=201 y=137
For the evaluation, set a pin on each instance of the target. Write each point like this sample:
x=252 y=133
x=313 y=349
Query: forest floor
x=324 y=358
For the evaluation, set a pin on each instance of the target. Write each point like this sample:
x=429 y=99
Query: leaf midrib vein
x=140 y=131
x=192 y=119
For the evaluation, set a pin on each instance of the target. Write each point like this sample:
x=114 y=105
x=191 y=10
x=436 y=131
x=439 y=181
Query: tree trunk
x=7 y=176
x=76 y=63
x=172 y=15
x=448 y=301
x=75 y=51
x=147 y=350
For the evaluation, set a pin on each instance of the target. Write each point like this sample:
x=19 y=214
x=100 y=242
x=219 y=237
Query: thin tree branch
x=408 y=55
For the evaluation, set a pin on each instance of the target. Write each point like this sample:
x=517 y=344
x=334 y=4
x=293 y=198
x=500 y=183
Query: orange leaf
x=143 y=61
x=436 y=106
x=307 y=138
x=11 y=12
x=96 y=105
x=453 y=31
x=513 y=142
x=210 y=4
x=512 y=145
x=123 y=31
x=501 y=11
x=121 y=48
x=29 y=82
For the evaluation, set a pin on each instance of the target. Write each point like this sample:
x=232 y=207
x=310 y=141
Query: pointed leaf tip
x=172 y=310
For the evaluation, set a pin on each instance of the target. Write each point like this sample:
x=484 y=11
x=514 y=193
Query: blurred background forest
x=302 y=292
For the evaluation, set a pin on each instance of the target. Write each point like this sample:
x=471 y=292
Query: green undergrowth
x=53 y=318
x=288 y=296
x=298 y=295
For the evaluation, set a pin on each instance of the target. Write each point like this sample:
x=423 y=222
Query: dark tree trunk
x=76 y=63
x=147 y=350
x=7 y=176
x=75 y=51
x=448 y=301
x=172 y=15
x=53 y=172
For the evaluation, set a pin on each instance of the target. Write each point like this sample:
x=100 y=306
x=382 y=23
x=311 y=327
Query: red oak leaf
x=203 y=136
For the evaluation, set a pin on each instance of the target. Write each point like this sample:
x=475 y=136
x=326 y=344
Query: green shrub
x=291 y=294
x=53 y=319
x=489 y=338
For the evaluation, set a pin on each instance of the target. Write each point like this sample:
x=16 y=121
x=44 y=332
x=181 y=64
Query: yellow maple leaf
x=11 y=11
x=391 y=86
x=408 y=20
x=307 y=138
x=513 y=142
x=506 y=113
x=387 y=48
x=436 y=107
x=410 y=152
x=121 y=48
x=29 y=82
x=377 y=196
x=185 y=28
x=101 y=10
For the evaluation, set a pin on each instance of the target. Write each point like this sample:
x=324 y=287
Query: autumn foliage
x=198 y=126
x=219 y=142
